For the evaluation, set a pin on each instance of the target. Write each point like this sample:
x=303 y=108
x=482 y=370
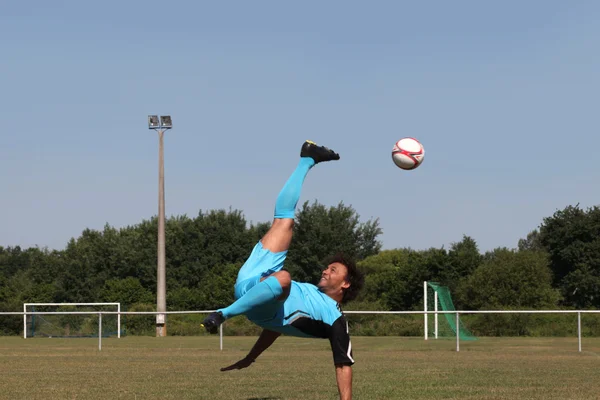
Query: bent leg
x=266 y=260
x=261 y=281
x=268 y=255
x=279 y=236
x=285 y=281
x=273 y=288
x=262 y=293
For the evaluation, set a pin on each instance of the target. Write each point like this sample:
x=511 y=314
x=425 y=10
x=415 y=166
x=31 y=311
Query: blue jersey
x=307 y=312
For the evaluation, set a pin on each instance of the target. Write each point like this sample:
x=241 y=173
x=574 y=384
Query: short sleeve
x=340 y=342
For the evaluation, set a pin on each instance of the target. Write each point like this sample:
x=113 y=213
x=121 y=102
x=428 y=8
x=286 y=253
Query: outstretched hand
x=244 y=363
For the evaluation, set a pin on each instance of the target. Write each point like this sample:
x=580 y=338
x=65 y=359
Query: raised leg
x=258 y=291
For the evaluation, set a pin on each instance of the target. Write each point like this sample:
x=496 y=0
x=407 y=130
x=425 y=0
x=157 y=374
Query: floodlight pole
x=161 y=300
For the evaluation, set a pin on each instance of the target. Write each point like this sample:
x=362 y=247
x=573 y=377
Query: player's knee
x=284 y=278
x=283 y=223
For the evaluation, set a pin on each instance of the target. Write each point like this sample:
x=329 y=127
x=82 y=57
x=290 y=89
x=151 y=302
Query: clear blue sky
x=503 y=95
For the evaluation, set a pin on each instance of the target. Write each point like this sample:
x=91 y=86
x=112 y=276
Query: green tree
x=510 y=279
x=184 y=298
x=210 y=241
x=382 y=282
x=203 y=255
x=12 y=260
x=395 y=277
x=581 y=288
x=463 y=260
x=126 y=291
x=320 y=232
x=531 y=242
x=216 y=289
x=572 y=239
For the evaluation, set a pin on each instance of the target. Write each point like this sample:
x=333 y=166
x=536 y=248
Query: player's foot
x=212 y=322
x=318 y=153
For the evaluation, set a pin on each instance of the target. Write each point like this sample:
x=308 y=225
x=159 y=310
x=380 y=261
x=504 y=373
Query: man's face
x=333 y=278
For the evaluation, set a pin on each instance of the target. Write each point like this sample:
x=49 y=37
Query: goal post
x=427 y=302
x=437 y=298
x=28 y=306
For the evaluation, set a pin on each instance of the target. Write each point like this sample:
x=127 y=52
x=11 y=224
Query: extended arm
x=265 y=340
x=342 y=357
x=343 y=374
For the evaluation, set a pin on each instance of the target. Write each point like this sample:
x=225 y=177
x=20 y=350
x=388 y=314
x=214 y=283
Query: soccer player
x=266 y=294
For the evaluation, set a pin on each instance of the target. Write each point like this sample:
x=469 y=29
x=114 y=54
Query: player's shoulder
x=307 y=288
x=305 y=285
x=341 y=322
x=340 y=316
x=320 y=299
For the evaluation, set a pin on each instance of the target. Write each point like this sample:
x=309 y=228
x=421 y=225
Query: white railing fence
x=463 y=312
x=425 y=313
x=118 y=305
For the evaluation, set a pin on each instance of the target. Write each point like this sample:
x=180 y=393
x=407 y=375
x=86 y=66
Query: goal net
x=438 y=298
x=79 y=320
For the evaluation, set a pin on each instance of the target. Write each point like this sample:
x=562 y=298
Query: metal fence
x=424 y=313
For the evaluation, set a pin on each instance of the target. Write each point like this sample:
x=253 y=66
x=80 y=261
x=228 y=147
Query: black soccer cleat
x=213 y=321
x=318 y=153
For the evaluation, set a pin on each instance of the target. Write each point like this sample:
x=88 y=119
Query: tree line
x=556 y=266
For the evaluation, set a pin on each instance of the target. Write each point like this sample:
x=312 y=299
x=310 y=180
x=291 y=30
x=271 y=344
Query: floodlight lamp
x=165 y=121
x=153 y=122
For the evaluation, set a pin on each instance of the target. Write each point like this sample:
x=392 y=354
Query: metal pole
x=221 y=335
x=161 y=304
x=435 y=316
x=24 y=321
x=579 y=329
x=457 y=334
x=119 y=321
x=99 y=331
x=425 y=306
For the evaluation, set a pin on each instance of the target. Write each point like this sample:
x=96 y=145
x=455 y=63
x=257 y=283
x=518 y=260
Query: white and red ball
x=408 y=153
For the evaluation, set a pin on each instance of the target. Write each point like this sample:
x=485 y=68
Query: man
x=268 y=296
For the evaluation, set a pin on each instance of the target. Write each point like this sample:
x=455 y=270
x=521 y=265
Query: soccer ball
x=408 y=153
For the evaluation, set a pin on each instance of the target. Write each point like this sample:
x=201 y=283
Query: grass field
x=386 y=368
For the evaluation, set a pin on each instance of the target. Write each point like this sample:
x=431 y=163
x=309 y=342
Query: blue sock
x=285 y=206
x=264 y=292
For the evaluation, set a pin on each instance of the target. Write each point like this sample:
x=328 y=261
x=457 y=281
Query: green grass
x=386 y=368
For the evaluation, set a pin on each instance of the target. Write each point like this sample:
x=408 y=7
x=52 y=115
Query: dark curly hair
x=355 y=277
